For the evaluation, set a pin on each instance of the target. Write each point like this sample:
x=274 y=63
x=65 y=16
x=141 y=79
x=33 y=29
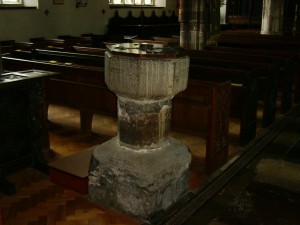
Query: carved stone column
x=272 y=17
x=192 y=24
x=1 y=66
x=142 y=170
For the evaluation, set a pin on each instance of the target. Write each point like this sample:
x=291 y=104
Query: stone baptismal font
x=143 y=170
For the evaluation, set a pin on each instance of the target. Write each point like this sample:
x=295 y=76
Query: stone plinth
x=143 y=170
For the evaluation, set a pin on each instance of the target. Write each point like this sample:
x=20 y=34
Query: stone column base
x=141 y=182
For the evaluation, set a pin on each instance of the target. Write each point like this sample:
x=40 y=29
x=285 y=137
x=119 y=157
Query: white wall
x=65 y=19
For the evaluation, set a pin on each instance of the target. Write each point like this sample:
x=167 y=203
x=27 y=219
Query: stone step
x=72 y=171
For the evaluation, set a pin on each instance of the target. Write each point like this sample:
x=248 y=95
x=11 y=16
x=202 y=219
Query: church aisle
x=266 y=191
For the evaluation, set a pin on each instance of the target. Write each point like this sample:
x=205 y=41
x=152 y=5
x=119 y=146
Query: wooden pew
x=268 y=81
x=78 y=86
x=7 y=46
x=274 y=43
x=20 y=49
x=97 y=40
x=204 y=108
x=96 y=58
x=288 y=66
x=247 y=133
x=59 y=44
x=285 y=69
x=244 y=97
x=242 y=22
x=270 y=97
x=88 y=50
x=266 y=42
x=69 y=57
x=85 y=41
x=83 y=87
x=6 y=49
x=256 y=35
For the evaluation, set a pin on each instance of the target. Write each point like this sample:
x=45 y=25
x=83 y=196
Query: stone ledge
x=76 y=164
x=279 y=173
x=72 y=171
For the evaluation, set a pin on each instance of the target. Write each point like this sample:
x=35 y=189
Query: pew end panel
x=246 y=83
x=279 y=46
x=204 y=109
x=83 y=87
x=269 y=64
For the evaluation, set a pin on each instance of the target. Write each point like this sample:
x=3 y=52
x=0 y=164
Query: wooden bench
x=243 y=98
x=78 y=55
x=54 y=43
x=289 y=66
x=285 y=69
x=6 y=46
x=204 y=108
x=88 y=50
x=276 y=44
x=270 y=93
x=83 y=87
x=69 y=57
x=268 y=81
x=78 y=86
x=266 y=42
x=97 y=40
x=85 y=41
x=56 y=56
x=242 y=22
x=22 y=49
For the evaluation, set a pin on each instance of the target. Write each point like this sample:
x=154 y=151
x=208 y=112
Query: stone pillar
x=192 y=24
x=1 y=66
x=223 y=12
x=272 y=17
x=142 y=170
x=213 y=22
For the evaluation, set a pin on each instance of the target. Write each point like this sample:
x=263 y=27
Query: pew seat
x=83 y=87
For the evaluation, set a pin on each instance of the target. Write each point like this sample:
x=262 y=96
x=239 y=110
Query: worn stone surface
x=146 y=79
x=143 y=123
x=143 y=170
x=272 y=17
x=1 y=67
x=139 y=183
x=280 y=173
x=192 y=24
